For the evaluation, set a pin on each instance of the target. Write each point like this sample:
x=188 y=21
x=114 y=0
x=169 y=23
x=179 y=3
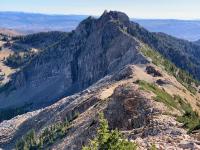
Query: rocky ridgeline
x=140 y=118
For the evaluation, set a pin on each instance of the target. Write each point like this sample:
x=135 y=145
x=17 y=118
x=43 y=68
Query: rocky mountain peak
x=114 y=15
x=92 y=24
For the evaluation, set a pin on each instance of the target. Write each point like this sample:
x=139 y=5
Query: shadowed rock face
x=96 y=48
x=151 y=70
x=127 y=109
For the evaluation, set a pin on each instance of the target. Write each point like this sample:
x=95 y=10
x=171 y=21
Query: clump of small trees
x=48 y=136
x=31 y=142
x=16 y=60
x=108 y=140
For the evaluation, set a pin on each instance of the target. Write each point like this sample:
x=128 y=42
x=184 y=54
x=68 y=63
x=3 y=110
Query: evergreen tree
x=108 y=140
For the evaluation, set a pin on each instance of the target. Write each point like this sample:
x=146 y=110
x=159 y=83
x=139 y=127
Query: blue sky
x=178 y=9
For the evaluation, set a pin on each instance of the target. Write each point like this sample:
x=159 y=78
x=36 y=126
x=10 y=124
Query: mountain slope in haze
x=184 y=29
x=9 y=32
x=108 y=65
x=197 y=42
x=31 y=23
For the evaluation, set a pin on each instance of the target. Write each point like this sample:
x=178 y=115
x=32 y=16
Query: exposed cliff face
x=96 y=48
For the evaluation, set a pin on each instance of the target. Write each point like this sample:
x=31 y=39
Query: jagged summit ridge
x=113 y=18
x=114 y=15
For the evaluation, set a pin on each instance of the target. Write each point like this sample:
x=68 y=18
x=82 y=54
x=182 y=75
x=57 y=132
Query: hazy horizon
x=73 y=14
x=142 y=9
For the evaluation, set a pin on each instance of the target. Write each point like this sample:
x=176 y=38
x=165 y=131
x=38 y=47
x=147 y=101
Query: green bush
x=191 y=120
x=28 y=142
x=153 y=147
x=108 y=140
x=51 y=134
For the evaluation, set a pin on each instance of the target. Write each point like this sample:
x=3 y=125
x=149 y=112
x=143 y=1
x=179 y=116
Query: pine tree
x=108 y=140
x=102 y=132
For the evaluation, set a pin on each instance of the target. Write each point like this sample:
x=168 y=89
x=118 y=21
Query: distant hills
x=197 y=42
x=185 y=29
x=10 y=32
x=32 y=23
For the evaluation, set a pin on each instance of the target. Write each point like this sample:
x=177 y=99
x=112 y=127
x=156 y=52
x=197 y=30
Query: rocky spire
x=114 y=15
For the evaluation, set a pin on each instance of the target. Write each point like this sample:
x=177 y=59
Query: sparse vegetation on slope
x=190 y=118
x=182 y=53
x=48 y=136
x=28 y=142
x=16 y=60
x=182 y=76
x=161 y=95
x=51 y=134
x=40 y=40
